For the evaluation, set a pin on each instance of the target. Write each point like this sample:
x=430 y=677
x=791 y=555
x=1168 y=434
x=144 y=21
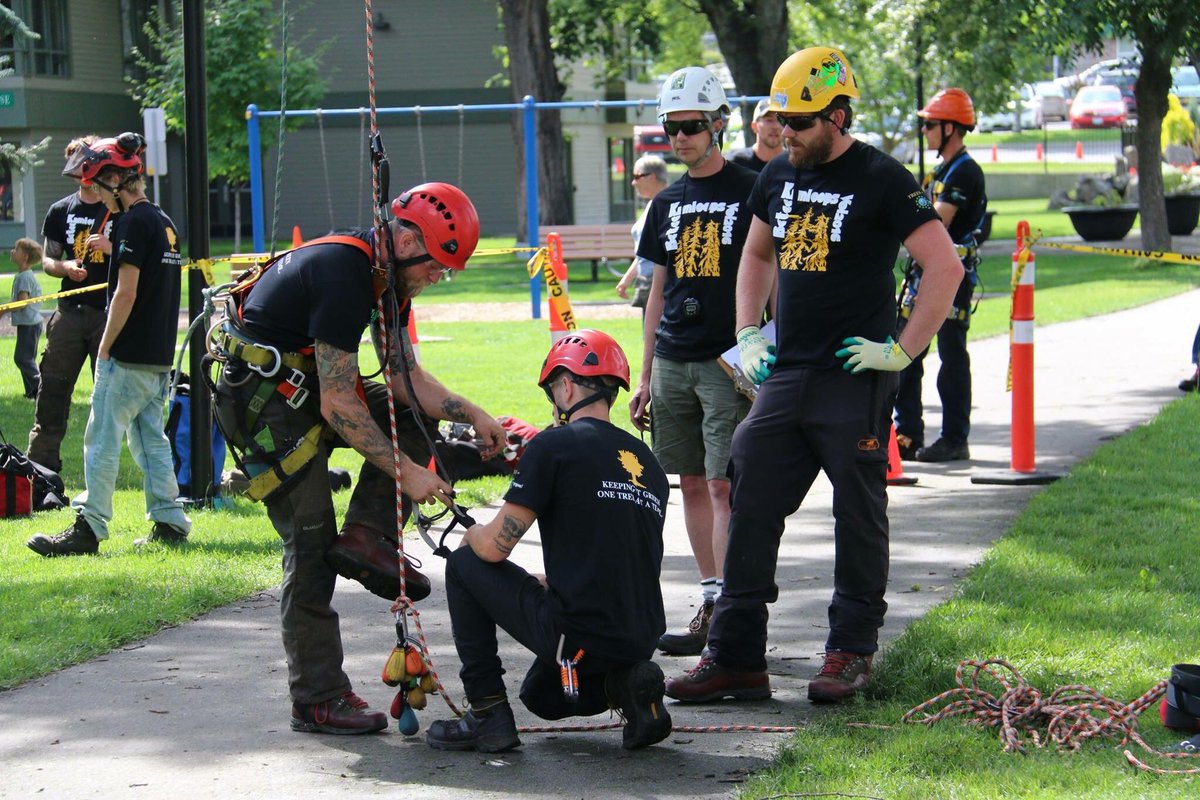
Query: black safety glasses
x=689 y=126
x=798 y=122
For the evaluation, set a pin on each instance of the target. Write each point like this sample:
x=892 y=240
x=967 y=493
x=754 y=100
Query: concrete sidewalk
x=202 y=711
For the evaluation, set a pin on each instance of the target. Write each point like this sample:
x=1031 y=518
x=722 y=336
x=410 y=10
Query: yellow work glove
x=863 y=354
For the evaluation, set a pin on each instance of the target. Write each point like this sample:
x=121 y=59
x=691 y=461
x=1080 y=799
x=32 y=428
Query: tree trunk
x=532 y=71
x=1153 y=84
x=753 y=37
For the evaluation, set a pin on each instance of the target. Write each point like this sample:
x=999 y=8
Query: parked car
x=1098 y=107
x=1123 y=79
x=1007 y=119
x=1185 y=84
x=1047 y=99
x=652 y=140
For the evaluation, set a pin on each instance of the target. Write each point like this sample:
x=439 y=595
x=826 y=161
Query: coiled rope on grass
x=1068 y=717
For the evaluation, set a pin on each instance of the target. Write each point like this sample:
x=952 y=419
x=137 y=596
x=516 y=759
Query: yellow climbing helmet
x=808 y=80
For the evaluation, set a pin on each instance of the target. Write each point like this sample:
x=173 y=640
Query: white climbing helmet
x=692 y=89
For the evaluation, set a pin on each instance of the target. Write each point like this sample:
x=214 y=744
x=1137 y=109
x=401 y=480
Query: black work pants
x=72 y=339
x=804 y=421
x=483 y=596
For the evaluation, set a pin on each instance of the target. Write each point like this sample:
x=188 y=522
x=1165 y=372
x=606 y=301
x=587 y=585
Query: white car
x=1007 y=120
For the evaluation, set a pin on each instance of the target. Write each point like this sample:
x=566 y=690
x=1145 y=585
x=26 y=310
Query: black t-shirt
x=601 y=499
x=837 y=229
x=70 y=222
x=747 y=158
x=695 y=229
x=145 y=238
x=959 y=182
x=322 y=291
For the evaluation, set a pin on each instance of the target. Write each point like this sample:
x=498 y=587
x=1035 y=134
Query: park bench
x=595 y=243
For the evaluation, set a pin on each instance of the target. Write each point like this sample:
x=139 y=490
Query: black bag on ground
x=48 y=489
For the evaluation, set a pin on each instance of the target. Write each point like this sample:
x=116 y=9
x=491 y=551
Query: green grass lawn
x=1090 y=586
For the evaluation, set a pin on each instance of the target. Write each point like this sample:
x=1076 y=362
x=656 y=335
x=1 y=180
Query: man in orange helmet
x=956 y=189
x=290 y=390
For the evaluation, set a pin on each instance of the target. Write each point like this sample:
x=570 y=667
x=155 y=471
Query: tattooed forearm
x=53 y=249
x=455 y=409
x=511 y=531
x=337 y=369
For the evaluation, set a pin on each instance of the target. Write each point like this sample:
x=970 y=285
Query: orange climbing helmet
x=951 y=105
x=123 y=152
x=446 y=218
x=587 y=353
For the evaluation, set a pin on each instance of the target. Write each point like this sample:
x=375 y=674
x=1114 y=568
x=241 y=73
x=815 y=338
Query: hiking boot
x=1190 y=384
x=841 y=676
x=942 y=450
x=347 y=714
x=163 y=533
x=708 y=680
x=908 y=447
x=485 y=730
x=77 y=540
x=637 y=692
x=367 y=556
x=692 y=642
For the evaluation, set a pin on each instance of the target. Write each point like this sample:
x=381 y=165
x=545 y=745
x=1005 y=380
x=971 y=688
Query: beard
x=813 y=154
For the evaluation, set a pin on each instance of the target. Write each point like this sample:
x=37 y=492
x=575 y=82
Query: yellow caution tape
x=503 y=251
x=205 y=266
x=1155 y=255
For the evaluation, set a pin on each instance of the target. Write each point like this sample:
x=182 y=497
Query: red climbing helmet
x=123 y=152
x=589 y=353
x=447 y=220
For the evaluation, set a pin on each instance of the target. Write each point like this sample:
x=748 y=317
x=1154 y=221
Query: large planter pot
x=1183 y=212
x=1102 y=223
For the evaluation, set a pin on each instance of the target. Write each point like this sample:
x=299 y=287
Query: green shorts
x=694 y=408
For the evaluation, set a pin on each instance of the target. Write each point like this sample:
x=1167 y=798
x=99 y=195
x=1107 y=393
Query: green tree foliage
x=243 y=66
x=13 y=156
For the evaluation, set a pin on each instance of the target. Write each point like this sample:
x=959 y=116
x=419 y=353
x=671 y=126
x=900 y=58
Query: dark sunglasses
x=930 y=124
x=691 y=127
x=637 y=176
x=798 y=122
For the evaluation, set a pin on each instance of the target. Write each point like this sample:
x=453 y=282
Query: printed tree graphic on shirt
x=699 y=253
x=630 y=463
x=805 y=243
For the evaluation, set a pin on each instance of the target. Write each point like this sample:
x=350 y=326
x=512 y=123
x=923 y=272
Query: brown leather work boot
x=708 y=681
x=691 y=642
x=369 y=557
x=343 y=715
x=842 y=675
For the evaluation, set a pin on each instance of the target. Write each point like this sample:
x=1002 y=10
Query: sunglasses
x=637 y=176
x=691 y=127
x=930 y=124
x=798 y=122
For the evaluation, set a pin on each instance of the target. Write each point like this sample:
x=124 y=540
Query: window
x=10 y=203
x=48 y=55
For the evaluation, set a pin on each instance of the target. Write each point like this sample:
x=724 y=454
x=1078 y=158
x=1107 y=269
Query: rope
x=325 y=166
x=608 y=726
x=282 y=125
x=1067 y=717
x=362 y=146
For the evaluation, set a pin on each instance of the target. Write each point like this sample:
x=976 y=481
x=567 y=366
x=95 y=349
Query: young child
x=27 y=319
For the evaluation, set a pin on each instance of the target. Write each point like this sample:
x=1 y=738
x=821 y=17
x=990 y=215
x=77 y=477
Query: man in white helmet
x=694 y=232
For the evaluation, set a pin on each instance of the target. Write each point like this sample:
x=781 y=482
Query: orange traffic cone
x=1079 y=150
x=895 y=467
x=995 y=154
x=1037 y=152
x=297 y=239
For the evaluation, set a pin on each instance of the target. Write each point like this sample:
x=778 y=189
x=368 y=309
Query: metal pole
x=531 y=196
x=196 y=172
x=256 y=187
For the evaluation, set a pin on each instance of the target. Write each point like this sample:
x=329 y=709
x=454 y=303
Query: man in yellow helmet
x=827 y=224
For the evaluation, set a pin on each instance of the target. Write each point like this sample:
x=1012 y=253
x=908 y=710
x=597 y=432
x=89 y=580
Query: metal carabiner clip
x=274 y=367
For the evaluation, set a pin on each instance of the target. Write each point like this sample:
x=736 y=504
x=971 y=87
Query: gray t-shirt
x=31 y=314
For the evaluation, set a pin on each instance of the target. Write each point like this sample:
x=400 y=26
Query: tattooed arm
x=55 y=265
x=438 y=401
x=347 y=414
x=495 y=540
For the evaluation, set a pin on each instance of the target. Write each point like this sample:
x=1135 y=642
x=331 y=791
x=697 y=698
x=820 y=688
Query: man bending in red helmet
x=291 y=389
x=599 y=496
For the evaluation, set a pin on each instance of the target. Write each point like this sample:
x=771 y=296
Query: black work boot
x=347 y=714
x=487 y=729
x=908 y=447
x=637 y=692
x=692 y=641
x=77 y=540
x=943 y=450
x=163 y=533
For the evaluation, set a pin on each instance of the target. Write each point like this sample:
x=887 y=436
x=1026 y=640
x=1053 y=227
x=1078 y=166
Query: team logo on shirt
x=172 y=239
x=699 y=253
x=805 y=238
x=921 y=200
x=82 y=229
x=630 y=463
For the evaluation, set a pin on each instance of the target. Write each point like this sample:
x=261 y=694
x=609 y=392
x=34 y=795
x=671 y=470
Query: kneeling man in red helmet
x=592 y=621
